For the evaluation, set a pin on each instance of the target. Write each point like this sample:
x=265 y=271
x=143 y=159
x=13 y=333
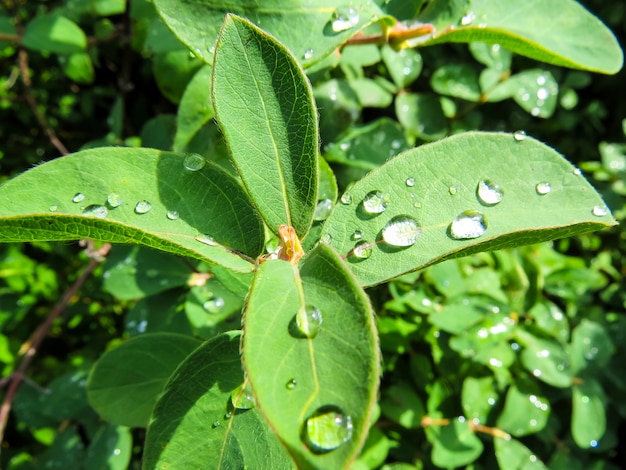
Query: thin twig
x=30 y=347
x=495 y=432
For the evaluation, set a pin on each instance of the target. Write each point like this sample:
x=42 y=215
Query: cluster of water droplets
x=344 y=18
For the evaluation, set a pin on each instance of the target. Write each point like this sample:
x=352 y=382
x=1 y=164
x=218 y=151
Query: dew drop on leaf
x=143 y=207
x=206 y=239
x=96 y=210
x=578 y=171
x=346 y=199
x=309 y=320
x=357 y=235
x=468 y=18
x=114 y=200
x=78 y=197
x=543 y=188
x=452 y=190
x=375 y=202
x=410 y=182
x=401 y=231
x=489 y=193
x=172 y=215
x=194 y=162
x=328 y=428
x=467 y=225
x=53 y=208
x=291 y=384
x=362 y=250
x=519 y=136
x=344 y=18
x=216 y=424
x=308 y=54
x=242 y=397
x=213 y=305
x=600 y=211
x=322 y=210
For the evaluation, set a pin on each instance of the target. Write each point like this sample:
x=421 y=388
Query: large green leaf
x=559 y=32
x=185 y=204
x=312 y=386
x=265 y=107
x=194 y=424
x=304 y=26
x=54 y=33
x=124 y=384
x=412 y=200
x=589 y=418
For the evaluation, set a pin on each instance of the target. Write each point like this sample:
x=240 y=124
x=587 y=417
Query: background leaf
x=54 y=33
x=264 y=105
x=434 y=184
x=293 y=376
x=588 y=413
x=199 y=198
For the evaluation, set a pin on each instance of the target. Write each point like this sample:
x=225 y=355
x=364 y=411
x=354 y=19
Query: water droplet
x=328 y=428
x=78 y=197
x=228 y=415
x=489 y=193
x=417 y=205
x=357 y=235
x=242 y=397
x=308 y=54
x=322 y=210
x=309 y=320
x=452 y=190
x=467 y=225
x=362 y=250
x=593 y=443
x=172 y=215
x=375 y=202
x=143 y=207
x=401 y=231
x=213 y=305
x=519 y=135
x=114 y=200
x=543 y=188
x=346 y=199
x=344 y=18
x=326 y=238
x=216 y=424
x=600 y=211
x=53 y=208
x=194 y=162
x=96 y=210
x=578 y=171
x=206 y=239
x=410 y=182
x=291 y=384
x=541 y=80
x=468 y=18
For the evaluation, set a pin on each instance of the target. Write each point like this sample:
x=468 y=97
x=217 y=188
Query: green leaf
x=334 y=371
x=404 y=65
x=589 y=406
x=591 y=347
x=421 y=115
x=54 y=33
x=110 y=449
x=535 y=91
x=304 y=27
x=195 y=412
x=545 y=359
x=173 y=70
x=264 y=105
x=478 y=398
x=140 y=367
x=458 y=80
x=525 y=410
x=559 y=32
x=200 y=199
x=403 y=405
x=78 y=67
x=513 y=455
x=455 y=445
x=434 y=184
x=195 y=108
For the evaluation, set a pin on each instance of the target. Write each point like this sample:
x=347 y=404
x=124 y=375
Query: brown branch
x=22 y=61
x=394 y=36
x=495 y=432
x=30 y=347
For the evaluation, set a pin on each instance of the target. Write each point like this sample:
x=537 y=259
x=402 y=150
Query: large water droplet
x=96 y=210
x=362 y=250
x=206 y=239
x=600 y=211
x=328 y=428
x=346 y=199
x=468 y=224
x=143 y=207
x=78 y=197
x=543 y=188
x=401 y=231
x=375 y=202
x=322 y=210
x=489 y=193
x=194 y=162
x=242 y=397
x=519 y=135
x=308 y=54
x=114 y=200
x=172 y=215
x=309 y=320
x=344 y=18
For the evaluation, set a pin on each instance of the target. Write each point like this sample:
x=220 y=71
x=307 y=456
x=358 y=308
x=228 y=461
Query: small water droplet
x=417 y=205
x=468 y=18
x=362 y=250
x=53 y=208
x=228 y=415
x=309 y=320
x=543 y=188
x=578 y=171
x=194 y=162
x=326 y=238
x=593 y=443
x=114 y=200
x=308 y=54
x=291 y=384
x=346 y=199
x=328 y=428
x=206 y=239
x=410 y=182
x=143 y=207
x=375 y=202
x=452 y=190
x=242 y=397
x=78 y=197
x=519 y=136
x=322 y=210
x=216 y=424
x=344 y=18
x=96 y=210
x=467 y=225
x=213 y=305
x=401 y=231
x=600 y=211
x=172 y=215
x=489 y=193
x=357 y=235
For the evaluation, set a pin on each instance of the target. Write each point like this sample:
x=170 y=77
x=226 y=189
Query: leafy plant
x=298 y=385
